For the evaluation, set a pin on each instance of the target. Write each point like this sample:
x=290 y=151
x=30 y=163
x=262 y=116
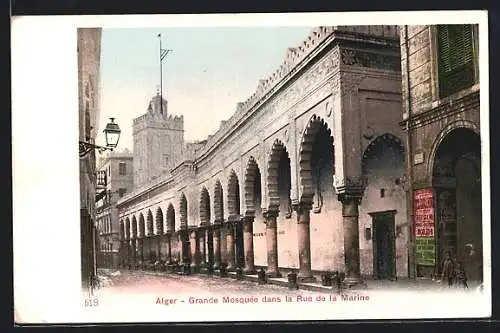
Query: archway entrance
x=457 y=181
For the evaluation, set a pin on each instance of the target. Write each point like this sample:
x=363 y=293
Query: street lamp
x=112 y=134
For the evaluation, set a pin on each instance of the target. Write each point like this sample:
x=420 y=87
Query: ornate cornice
x=444 y=109
x=370 y=59
x=295 y=60
x=353 y=186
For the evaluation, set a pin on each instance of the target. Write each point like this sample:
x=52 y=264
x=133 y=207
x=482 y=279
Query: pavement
x=132 y=280
x=143 y=281
x=145 y=296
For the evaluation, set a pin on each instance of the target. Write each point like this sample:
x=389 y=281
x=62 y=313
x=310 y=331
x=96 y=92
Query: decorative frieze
x=352 y=57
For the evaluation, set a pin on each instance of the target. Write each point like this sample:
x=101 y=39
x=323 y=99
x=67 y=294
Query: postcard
x=251 y=167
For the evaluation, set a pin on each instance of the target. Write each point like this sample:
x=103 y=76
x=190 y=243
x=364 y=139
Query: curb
x=251 y=278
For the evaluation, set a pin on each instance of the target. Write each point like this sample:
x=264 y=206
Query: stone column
x=143 y=249
x=304 y=241
x=272 y=243
x=217 y=243
x=168 y=239
x=248 y=245
x=120 y=254
x=180 y=244
x=230 y=250
x=201 y=245
x=209 y=243
x=194 y=251
x=126 y=253
x=140 y=246
x=151 y=246
x=133 y=244
x=350 y=217
x=158 y=247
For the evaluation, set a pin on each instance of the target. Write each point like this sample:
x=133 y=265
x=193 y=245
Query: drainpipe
x=409 y=178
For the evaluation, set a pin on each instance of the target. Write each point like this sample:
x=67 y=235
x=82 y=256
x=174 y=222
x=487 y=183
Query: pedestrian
x=461 y=276
x=448 y=269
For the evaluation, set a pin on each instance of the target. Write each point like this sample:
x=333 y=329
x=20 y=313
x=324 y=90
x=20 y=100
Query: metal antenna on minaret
x=163 y=54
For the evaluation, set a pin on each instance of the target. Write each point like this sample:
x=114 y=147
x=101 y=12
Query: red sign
x=423 y=203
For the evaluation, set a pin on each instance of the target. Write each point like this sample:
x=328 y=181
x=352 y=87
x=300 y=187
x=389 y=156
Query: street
x=137 y=282
x=137 y=296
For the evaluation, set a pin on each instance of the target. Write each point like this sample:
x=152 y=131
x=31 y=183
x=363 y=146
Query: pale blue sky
x=208 y=72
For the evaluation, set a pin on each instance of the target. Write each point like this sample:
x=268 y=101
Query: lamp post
x=112 y=134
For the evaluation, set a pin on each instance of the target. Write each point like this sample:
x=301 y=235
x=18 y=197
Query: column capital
x=301 y=207
x=351 y=186
x=352 y=197
x=216 y=226
x=269 y=214
x=248 y=219
x=233 y=218
x=219 y=221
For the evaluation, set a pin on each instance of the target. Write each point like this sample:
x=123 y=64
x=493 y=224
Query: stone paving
x=145 y=296
x=137 y=281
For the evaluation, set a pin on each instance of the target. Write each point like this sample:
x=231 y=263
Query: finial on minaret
x=157 y=90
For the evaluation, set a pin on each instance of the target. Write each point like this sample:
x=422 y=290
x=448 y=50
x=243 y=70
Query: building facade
x=442 y=126
x=298 y=177
x=117 y=167
x=89 y=53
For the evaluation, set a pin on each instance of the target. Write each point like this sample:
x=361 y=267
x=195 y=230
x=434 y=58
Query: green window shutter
x=455 y=58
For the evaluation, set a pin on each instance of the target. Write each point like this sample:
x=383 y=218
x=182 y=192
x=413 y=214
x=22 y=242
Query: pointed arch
x=444 y=134
x=170 y=218
x=150 y=223
x=279 y=155
x=122 y=230
x=315 y=125
x=183 y=211
x=142 y=229
x=133 y=228
x=127 y=228
x=159 y=221
x=252 y=177
x=381 y=142
x=204 y=206
x=233 y=195
x=218 y=201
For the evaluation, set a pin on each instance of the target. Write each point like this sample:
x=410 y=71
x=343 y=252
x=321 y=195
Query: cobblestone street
x=138 y=281
x=124 y=281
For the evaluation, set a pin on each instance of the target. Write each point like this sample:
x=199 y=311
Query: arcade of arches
x=320 y=232
x=308 y=174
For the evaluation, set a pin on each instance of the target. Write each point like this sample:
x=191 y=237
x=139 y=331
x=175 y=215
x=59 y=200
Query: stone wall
x=88 y=54
x=431 y=119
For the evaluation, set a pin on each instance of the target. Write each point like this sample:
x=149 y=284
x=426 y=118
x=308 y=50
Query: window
x=456 y=58
x=165 y=161
x=122 y=191
x=122 y=169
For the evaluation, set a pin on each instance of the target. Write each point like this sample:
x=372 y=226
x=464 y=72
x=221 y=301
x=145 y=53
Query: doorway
x=457 y=179
x=384 y=245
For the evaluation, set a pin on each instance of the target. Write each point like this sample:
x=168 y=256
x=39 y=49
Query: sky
x=208 y=72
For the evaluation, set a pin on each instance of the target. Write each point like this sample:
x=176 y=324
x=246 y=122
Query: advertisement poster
x=424 y=227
